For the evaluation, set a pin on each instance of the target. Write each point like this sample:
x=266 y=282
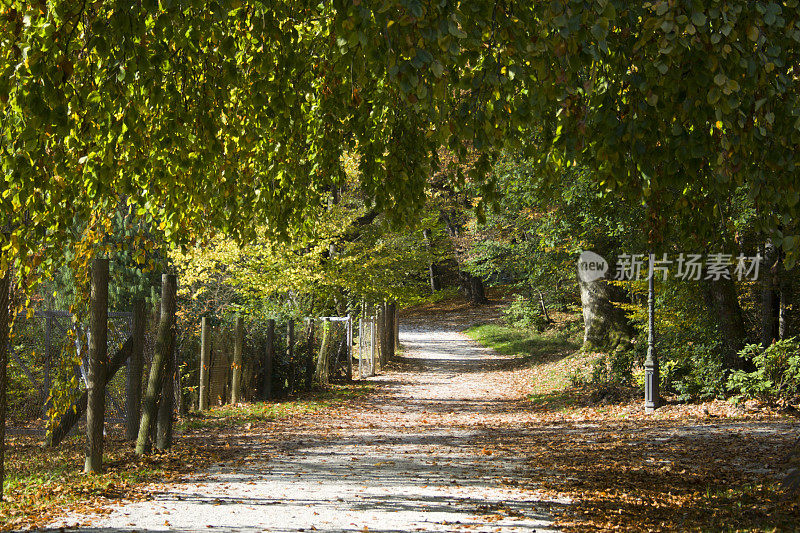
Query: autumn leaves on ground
x=591 y=459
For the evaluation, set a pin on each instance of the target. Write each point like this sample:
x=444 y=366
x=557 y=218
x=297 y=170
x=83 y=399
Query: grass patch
x=520 y=342
x=305 y=403
x=553 y=359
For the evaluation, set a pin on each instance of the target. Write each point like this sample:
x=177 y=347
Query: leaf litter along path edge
x=403 y=459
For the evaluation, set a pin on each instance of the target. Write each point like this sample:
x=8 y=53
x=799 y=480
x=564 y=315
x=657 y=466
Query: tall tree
x=163 y=346
x=98 y=366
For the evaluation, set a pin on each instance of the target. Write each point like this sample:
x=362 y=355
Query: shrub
x=695 y=371
x=525 y=314
x=613 y=368
x=776 y=379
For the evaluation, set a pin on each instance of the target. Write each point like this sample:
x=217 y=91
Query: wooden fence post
x=98 y=358
x=236 y=374
x=290 y=354
x=373 y=339
x=310 y=355
x=396 y=326
x=349 y=335
x=163 y=346
x=133 y=381
x=205 y=362
x=5 y=289
x=269 y=355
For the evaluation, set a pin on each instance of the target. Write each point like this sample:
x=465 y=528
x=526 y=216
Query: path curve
x=405 y=459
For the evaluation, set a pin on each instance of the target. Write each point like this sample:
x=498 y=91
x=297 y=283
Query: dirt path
x=405 y=459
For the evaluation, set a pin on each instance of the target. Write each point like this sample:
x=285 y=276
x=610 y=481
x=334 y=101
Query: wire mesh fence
x=303 y=354
x=47 y=346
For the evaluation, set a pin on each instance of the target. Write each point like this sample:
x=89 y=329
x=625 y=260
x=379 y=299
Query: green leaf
x=437 y=68
x=698 y=19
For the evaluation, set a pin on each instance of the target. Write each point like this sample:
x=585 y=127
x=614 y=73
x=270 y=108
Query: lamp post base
x=652 y=399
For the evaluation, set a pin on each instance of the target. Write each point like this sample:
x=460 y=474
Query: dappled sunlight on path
x=403 y=459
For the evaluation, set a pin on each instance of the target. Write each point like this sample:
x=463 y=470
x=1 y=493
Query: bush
x=696 y=372
x=525 y=314
x=776 y=379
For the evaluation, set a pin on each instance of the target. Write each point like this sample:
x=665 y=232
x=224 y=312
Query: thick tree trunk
x=133 y=383
x=723 y=303
x=236 y=377
x=166 y=326
x=478 y=291
x=786 y=314
x=98 y=366
x=5 y=289
x=390 y=315
x=473 y=288
x=166 y=405
x=769 y=297
x=604 y=326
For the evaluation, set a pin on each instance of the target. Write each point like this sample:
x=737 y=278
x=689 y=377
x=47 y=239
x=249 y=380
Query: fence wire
x=40 y=346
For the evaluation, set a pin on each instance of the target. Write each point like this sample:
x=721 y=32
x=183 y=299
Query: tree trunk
x=133 y=383
x=5 y=289
x=433 y=269
x=205 y=363
x=98 y=366
x=290 y=356
x=78 y=407
x=769 y=298
x=269 y=356
x=166 y=406
x=473 y=288
x=236 y=377
x=396 y=327
x=323 y=365
x=604 y=326
x=545 y=314
x=166 y=326
x=723 y=302
x=390 y=317
x=786 y=315
x=477 y=291
x=380 y=323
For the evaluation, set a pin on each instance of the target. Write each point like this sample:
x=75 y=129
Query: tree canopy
x=231 y=115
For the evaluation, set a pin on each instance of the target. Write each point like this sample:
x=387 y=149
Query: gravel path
x=405 y=459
